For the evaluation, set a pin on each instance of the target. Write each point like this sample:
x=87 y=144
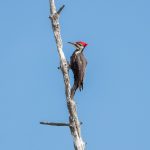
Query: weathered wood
x=55 y=123
x=73 y=117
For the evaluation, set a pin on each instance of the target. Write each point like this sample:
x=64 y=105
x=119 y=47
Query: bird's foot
x=68 y=65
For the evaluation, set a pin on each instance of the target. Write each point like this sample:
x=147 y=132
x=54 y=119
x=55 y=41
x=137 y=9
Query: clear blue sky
x=115 y=104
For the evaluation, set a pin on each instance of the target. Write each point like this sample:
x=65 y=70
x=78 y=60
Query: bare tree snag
x=74 y=123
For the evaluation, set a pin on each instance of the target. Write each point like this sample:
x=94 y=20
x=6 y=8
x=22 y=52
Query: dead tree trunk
x=74 y=123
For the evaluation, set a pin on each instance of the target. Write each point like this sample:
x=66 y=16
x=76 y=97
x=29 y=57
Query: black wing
x=78 y=66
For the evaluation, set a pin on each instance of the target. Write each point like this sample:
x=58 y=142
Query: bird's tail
x=73 y=89
x=75 y=86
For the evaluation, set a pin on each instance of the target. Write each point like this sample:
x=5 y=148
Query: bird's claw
x=68 y=65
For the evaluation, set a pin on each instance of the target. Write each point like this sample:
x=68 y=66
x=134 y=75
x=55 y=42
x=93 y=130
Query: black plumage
x=78 y=65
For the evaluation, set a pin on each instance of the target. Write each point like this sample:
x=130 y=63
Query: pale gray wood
x=73 y=117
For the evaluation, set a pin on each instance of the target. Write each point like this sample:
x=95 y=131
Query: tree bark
x=74 y=123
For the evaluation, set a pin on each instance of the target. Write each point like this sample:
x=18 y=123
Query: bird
x=78 y=65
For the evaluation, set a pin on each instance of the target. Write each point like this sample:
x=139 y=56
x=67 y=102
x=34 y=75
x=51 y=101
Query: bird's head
x=79 y=45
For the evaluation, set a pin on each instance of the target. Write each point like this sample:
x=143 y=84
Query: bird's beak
x=72 y=43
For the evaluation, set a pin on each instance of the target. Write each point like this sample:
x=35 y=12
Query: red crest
x=83 y=43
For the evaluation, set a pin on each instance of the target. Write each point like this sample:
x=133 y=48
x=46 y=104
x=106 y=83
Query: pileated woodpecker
x=78 y=65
